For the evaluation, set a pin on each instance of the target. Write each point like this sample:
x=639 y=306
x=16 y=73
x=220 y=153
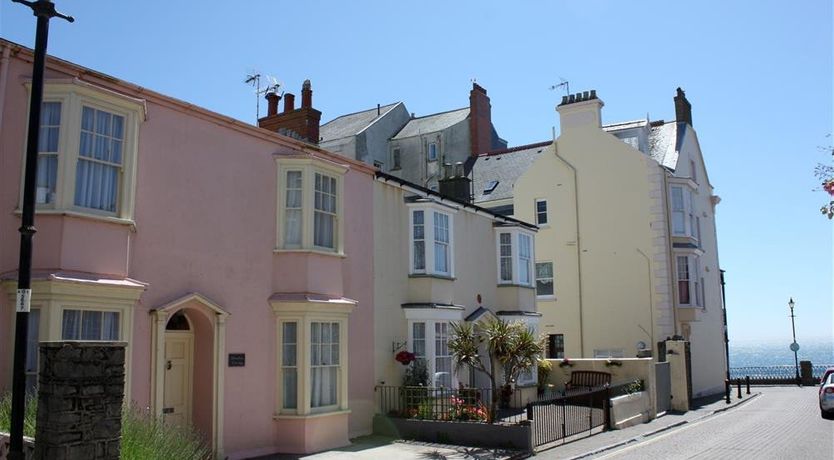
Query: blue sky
x=758 y=74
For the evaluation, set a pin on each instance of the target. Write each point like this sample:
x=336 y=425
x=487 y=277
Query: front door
x=179 y=353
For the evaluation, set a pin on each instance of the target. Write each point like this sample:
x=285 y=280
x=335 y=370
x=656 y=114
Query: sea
x=767 y=353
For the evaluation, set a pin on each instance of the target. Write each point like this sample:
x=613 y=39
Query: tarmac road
x=782 y=423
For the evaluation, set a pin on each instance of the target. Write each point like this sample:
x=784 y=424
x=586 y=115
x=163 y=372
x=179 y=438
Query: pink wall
x=205 y=217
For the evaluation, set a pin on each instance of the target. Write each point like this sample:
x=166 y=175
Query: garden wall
x=628 y=410
x=517 y=437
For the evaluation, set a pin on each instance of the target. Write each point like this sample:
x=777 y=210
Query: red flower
x=405 y=357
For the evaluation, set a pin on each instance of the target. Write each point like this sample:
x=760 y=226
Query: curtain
x=289 y=365
x=324 y=218
x=69 y=325
x=50 y=127
x=99 y=160
x=324 y=362
x=292 y=213
x=418 y=235
x=110 y=326
x=506 y=252
x=91 y=325
x=441 y=243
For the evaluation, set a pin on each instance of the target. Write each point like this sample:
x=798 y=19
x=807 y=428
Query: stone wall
x=80 y=394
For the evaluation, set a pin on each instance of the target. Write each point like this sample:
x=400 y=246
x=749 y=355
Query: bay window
x=689 y=281
x=431 y=245
x=515 y=257
x=684 y=220
x=312 y=355
x=87 y=151
x=309 y=205
x=429 y=341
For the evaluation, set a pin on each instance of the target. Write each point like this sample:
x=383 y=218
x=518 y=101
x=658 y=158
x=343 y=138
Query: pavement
x=380 y=447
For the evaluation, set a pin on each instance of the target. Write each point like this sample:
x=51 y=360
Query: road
x=782 y=423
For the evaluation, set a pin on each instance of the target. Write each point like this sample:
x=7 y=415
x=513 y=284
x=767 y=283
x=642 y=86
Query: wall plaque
x=237 y=359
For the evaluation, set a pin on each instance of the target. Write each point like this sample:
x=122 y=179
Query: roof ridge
x=439 y=113
x=515 y=149
x=362 y=111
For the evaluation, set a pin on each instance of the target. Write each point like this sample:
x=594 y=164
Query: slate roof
x=625 y=125
x=352 y=123
x=432 y=123
x=664 y=143
x=505 y=167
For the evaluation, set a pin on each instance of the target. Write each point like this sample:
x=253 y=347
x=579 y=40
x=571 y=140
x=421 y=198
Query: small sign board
x=237 y=359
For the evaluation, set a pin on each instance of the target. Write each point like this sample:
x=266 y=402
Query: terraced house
x=626 y=254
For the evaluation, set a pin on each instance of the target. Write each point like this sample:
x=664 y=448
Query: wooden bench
x=587 y=379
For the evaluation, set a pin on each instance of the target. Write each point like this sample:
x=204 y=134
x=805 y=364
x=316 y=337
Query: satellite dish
x=641 y=345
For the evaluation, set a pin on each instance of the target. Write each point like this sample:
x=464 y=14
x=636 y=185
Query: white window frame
x=552 y=279
x=687 y=214
x=73 y=97
x=432 y=151
x=82 y=312
x=429 y=212
x=539 y=213
x=695 y=283
x=304 y=314
x=430 y=317
x=516 y=236
x=309 y=167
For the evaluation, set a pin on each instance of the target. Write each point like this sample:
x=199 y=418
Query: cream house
x=439 y=260
x=626 y=254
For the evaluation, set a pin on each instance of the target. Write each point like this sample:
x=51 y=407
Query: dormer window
x=490 y=187
x=431 y=248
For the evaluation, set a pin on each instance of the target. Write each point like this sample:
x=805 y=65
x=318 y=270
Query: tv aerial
x=272 y=84
x=564 y=84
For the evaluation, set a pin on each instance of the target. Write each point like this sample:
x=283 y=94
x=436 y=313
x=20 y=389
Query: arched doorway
x=187 y=379
x=178 y=393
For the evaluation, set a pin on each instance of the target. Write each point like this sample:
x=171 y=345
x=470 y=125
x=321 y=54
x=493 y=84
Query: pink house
x=237 y=263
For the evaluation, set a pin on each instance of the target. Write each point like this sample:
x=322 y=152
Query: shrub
x=143 y=436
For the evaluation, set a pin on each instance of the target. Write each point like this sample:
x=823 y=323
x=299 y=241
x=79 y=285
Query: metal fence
x=448 y=404
x=561 y=418
x=774 y=375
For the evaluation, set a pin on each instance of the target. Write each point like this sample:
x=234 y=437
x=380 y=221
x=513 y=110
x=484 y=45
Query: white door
x=179 y=353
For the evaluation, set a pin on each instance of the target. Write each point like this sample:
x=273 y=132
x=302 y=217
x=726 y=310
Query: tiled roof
x=500 y=169
x=432 y=123
x=352 y=123
x=663 y=143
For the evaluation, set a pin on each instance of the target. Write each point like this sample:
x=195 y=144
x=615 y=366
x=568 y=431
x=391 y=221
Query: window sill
x=340 y=255
x=692 y=307
x=431 y=275
x=313 y=415
x=515 y=285
x=82 y=215
x=543 y=226
x=545 y=297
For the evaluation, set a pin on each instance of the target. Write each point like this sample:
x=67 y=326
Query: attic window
x=490 y=186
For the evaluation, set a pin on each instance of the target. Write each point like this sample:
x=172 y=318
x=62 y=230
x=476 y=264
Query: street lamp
x=794 y=345
x=44 y=10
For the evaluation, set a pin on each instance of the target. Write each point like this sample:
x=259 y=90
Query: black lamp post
x=44 y=10
x=794 y=345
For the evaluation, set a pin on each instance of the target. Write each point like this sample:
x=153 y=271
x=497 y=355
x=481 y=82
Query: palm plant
x=511 y=349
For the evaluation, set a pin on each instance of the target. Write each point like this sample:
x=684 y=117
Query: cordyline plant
x=510 y=349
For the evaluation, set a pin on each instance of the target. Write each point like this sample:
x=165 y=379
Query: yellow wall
x=611 y=193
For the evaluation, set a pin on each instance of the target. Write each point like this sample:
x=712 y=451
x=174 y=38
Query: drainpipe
x=4 y=76
x=651 y=297
x=578 y=245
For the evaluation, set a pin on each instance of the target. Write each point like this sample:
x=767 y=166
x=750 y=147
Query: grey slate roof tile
x=352 y=123
x=505 y=167
x=432 y=123
x=663 y=147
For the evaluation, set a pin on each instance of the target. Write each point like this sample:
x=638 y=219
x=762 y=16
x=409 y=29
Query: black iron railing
x=774 y=375
x=576 y=413
x=448 y=404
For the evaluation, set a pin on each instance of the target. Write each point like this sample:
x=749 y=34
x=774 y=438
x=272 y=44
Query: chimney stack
x=272 y=104
x=306 y=95
x=580 y=110
x=289 y=102
x=480 y=121
x=302 y=123
x=455 y=184
x=683 y=109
